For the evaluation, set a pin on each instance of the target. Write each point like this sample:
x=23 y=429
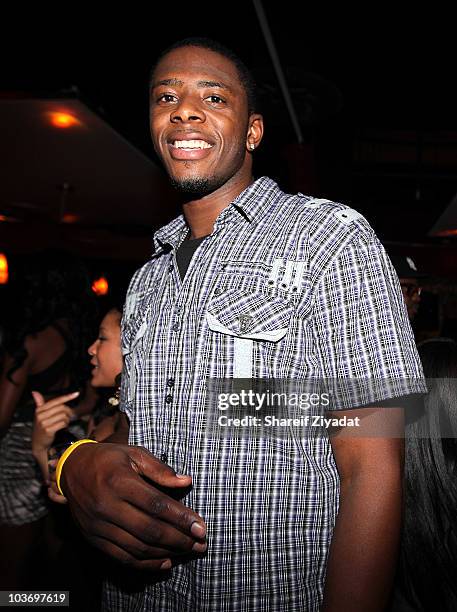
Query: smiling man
x=252 y=283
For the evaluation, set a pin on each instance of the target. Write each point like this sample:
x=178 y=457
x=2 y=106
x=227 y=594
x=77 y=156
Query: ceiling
x=374 y=94
x=82 y=184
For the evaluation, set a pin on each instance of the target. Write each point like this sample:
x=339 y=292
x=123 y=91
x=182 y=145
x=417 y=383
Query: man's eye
x=166 y=98
x=215 y=99
x=102 y=338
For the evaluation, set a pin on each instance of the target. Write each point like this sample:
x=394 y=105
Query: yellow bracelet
x=65 y=456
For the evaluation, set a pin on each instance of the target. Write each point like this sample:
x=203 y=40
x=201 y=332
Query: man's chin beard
x=196 y=186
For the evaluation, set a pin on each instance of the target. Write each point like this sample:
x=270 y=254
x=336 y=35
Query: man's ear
x=255 y=131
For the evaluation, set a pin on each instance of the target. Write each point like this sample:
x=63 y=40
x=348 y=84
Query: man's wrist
x=65 y=456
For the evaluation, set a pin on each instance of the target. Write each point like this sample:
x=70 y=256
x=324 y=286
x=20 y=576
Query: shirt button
x=170 y=269
x=218 y=291
x=164 y=457
x=170 y=382
x=175 y=327
x=168 y=399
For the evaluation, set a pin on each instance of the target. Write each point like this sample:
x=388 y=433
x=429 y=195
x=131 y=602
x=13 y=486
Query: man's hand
x=124 y=515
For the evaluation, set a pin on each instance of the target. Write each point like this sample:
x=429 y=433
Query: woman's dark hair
x=429 y=542
x=54 y=285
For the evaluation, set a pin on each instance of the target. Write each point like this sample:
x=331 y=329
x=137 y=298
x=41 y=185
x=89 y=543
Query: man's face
x=199 y=119
x=411 y=294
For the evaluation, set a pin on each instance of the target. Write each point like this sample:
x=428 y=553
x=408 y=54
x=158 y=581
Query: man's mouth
x=190 y=149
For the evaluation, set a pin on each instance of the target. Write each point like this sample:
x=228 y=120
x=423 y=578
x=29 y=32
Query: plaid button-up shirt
x=285 y=287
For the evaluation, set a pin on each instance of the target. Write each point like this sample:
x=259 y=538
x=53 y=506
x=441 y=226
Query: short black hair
x=245 y=75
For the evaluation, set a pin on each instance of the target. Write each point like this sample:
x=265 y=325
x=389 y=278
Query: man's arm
x=363 y=551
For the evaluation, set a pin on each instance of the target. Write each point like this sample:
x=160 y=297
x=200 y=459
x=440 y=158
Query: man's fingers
x=126 y=558
x=156 y=504
x=162 y=474
x=136 y=547
x=154 y=532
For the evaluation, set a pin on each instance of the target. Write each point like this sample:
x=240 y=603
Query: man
x=274 y=286
x=409 y=276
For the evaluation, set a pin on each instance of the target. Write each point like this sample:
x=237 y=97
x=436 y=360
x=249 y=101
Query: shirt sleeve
x=363 y=338
x=127 y=379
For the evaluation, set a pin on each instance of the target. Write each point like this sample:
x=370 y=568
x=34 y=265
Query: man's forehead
x=197 y=64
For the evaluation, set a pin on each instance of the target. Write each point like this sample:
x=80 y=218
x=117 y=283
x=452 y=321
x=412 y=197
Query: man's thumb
x=39 y=399
x=160 y=473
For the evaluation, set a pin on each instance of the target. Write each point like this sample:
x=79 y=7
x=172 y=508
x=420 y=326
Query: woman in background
x=78 y=566
x=428 y=555
x=54 y=415
x=44 y=352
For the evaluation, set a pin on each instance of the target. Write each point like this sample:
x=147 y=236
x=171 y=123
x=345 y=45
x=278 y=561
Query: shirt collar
x=173 y=234
x=249 y=206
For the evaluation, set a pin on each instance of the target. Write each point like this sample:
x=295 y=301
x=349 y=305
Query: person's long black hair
x=428 y=558
x=54 y=285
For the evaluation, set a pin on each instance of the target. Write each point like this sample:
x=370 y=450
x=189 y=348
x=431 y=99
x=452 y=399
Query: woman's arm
x=11 y=390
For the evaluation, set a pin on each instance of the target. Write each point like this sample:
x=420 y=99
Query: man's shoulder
x=320 y=230
x=139 y=277
x=318 y=215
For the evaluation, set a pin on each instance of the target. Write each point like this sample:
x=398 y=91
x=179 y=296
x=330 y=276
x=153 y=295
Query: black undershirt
x=185 y=252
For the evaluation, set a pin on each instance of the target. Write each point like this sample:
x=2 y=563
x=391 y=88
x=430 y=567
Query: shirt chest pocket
x=135 y=321
x=249 y=318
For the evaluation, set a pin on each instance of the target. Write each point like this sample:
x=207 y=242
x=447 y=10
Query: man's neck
x=202 y=213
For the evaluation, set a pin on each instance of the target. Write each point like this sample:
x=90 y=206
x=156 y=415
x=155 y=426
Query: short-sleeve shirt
x=285 y=287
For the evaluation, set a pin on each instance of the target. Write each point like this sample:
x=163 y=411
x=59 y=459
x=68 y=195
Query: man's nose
x=188 y=109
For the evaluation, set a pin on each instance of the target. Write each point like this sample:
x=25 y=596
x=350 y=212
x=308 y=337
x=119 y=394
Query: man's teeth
x=191 y=144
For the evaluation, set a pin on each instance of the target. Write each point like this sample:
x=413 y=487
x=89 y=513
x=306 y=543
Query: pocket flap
x=249 y=315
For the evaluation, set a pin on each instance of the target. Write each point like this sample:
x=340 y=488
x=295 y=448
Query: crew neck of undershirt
x=185 y=252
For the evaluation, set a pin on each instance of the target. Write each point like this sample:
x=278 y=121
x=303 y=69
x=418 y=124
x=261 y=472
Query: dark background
x=374 y=90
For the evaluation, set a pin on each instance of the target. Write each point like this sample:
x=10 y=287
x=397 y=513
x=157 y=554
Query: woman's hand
x=50 y=416
x=53 y=492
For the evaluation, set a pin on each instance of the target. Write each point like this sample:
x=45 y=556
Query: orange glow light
x=3 y=218
x=3 y=269
x=69 y=218
x=63 y=120
x=450 y=232
x=100 y=286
